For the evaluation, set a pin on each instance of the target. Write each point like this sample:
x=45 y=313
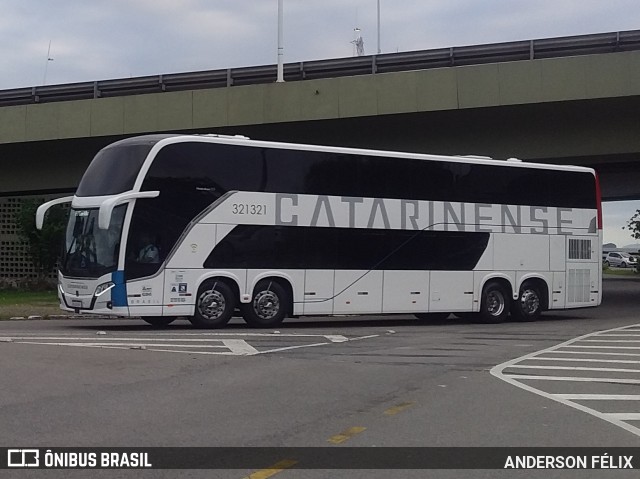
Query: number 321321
x=248 y=209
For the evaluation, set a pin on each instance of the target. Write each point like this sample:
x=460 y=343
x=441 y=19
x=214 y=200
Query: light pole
x=46 y=65
x=379 y=51
x=280 y=77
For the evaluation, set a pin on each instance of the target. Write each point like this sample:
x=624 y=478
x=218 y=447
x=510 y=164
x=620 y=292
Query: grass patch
x=16 y=303
x=621 y=272
x=16 y=297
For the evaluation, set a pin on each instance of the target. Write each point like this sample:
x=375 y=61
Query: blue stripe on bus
x=119 y=291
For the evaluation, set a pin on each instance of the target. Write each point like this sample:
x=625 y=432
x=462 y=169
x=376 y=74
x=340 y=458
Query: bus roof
x=239 y=140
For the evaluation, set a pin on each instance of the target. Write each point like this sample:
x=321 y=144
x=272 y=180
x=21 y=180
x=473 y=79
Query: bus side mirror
x=107 y=206
x=44 y=207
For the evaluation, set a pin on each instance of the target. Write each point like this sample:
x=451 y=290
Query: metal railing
x=332 y=68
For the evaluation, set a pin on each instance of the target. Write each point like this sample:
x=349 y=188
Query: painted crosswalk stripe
x=600 y=397
x=574 y=368
x=583 y=350
x=573 y=378
x=583 y=360
x=594 y=353
x=624 y=416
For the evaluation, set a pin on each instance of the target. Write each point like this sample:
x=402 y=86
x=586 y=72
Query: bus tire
x=529 y=304
x=494 y=306
x=268 y=306
x=427 y=317
x=215 y=304
x=159 y=321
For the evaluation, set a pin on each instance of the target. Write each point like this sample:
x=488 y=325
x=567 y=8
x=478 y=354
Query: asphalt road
x=327 y=383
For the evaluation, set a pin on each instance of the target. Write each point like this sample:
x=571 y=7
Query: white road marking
x=611 y=340
x=192 y=345
x=582 y=360
x=624 y=416
x=569 y=378
x=598 y=397
x=592 y=353
x=235 y=347
x=603 y=347
x=575 y=368
x=619 y=419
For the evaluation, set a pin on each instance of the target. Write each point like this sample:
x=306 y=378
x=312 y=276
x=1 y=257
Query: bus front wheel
x=268 y=307
x=214 y=305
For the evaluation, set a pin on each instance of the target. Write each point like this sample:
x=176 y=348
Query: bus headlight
x=103 y=288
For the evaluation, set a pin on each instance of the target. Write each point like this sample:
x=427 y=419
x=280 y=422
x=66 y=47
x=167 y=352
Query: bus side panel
x=521 y=252
x=358 y=292
x=558 y=295
x=451 y=291
x=318 y=291
x=557 y=253
x=405 y=292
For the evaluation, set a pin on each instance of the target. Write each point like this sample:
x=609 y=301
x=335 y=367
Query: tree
x=43 y=246
x=633 y=225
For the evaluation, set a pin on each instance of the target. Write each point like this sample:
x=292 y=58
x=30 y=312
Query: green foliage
x=633 y=225
x=13 y=297
x=45 y=245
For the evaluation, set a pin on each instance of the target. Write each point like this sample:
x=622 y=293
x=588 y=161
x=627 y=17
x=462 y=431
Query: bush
x=45 y=245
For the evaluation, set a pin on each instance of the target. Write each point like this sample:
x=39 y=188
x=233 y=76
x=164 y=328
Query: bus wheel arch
x=533 y=298
x=271 y=302
x=495 y=301
x=215 y=303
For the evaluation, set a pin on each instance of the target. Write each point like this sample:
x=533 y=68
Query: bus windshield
x=89 y=251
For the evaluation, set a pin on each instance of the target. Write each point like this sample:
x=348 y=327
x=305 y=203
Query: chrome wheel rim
x=211 y=304
x=495 y=303
x=266 y=304
x=529 y=302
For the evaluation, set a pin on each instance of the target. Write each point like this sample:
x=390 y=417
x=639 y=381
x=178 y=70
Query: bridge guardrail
x=331 y=68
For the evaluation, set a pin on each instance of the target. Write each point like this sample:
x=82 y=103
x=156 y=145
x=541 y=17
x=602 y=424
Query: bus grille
x=579 y=249
x=578 y=286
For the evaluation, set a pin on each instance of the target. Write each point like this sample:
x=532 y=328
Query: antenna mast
x=358 y=43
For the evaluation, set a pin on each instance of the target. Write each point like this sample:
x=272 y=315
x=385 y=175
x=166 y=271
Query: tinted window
x=189 y=168
x=189 y=176
x=284 y=247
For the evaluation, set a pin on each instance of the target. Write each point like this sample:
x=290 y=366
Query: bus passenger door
x=318 y=291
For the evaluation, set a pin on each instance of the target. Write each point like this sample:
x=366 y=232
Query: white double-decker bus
x=169 y=226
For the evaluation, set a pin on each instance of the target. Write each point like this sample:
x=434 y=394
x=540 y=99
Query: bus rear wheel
x=159 y=321
x=528 y=306
x=494 y=306
x=268 y=307
x=215 y=304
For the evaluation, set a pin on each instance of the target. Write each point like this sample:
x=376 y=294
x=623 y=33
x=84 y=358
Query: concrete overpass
x=569 y=100
x=573 y=106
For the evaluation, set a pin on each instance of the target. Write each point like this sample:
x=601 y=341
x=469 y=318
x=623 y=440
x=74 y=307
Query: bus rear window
x=113 y=170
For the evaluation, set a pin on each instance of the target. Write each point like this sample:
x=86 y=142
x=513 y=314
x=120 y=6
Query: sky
x=104 y=39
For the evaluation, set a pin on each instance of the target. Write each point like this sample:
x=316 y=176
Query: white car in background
x=620 y=259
